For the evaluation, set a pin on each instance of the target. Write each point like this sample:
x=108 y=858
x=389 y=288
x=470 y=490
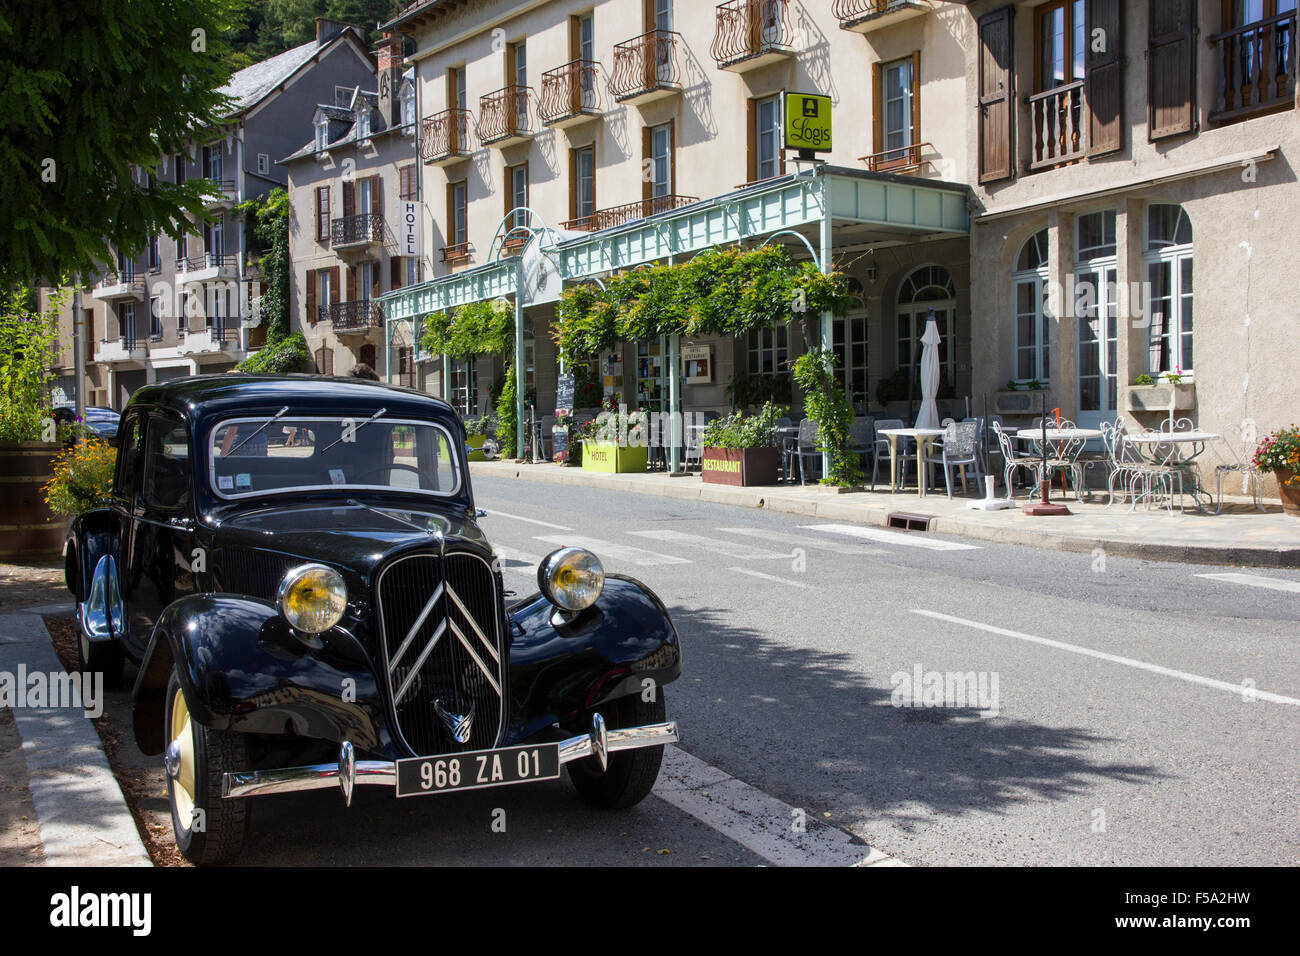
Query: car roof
x=212 y=396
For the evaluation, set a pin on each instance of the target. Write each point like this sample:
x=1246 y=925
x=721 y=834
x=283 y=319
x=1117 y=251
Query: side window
x=126 y=483
x=167 y=464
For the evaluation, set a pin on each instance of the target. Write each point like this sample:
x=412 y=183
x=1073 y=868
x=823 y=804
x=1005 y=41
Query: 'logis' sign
x=808 y=122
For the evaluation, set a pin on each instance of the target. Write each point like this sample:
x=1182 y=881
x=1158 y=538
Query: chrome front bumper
x=349 y=772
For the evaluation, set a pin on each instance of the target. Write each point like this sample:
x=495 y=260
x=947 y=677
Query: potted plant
x=1161 y=393
x=742 y=449
x=615 y=441
x=1280 y=454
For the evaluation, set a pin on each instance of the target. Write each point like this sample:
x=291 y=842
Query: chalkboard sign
x=560 y=443
x=564 y=395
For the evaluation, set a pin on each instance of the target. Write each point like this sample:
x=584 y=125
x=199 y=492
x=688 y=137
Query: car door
x=162 y=558
x=126 y=495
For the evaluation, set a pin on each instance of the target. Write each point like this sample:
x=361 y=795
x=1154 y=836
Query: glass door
x=1098 y=320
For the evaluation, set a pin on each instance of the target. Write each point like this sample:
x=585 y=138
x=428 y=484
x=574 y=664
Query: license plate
x=477 y=770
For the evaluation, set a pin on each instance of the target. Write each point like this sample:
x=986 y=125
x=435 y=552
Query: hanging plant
x=825 y=403
x=479 y=328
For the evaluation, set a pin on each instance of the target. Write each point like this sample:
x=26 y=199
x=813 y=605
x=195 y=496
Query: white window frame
x=661 y=156
x=586 y=179
x=322 y=134
x=1039 y=347
x=769 y=350
x=460 y=213
x=1173 y=257
x=322 y=294
x=907 y=136
x=263 y=163
x=769 y=132
x=1099 y=260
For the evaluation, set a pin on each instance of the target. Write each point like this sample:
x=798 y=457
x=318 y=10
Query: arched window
x=1168 y=259
x=1028 y=284
x=926 y=288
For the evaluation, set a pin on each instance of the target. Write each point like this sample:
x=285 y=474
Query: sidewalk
x=1240 y=536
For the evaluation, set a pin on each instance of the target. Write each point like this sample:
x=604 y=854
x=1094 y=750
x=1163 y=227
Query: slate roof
x=254 y=83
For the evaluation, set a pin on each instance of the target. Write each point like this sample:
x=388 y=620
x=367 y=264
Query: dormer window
x=322 y=134
x=363 y=123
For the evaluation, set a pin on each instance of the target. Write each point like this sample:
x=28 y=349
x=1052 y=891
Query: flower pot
x=610 y=457
x=1161 y=397
x=28 y=529
x=740 y=466
x=474 y=447
x=1288 y=489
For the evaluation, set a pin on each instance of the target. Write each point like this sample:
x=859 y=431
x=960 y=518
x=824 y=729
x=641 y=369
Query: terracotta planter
x=27 y=527
x=1289 y=493
x=740 y=466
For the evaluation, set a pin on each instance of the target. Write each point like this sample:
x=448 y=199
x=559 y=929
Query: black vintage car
x=322 y=610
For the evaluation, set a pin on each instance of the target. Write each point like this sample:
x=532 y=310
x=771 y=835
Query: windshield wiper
x=266 y=424
x=354 y=431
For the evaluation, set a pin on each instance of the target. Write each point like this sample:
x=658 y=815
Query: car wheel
x=631 y=773
x=208 y=829
x=104 y=657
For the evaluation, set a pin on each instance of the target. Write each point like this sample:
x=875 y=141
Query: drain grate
x=909 y=522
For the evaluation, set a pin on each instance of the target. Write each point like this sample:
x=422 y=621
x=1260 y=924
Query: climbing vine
x=825 y=403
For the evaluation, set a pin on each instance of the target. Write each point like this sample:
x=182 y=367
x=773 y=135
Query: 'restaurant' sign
x=409 y=227
x=808 y=122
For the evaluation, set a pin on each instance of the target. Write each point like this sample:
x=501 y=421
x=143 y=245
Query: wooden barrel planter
x=28 y=530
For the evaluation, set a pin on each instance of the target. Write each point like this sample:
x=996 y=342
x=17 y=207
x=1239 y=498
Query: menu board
x=564 y=395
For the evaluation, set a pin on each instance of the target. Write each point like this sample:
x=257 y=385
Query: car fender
x=91 y=536
x=242 y=668
x=560 y=670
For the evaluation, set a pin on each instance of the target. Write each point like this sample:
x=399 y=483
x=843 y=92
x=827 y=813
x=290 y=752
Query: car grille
x=251 y=572
x=442 y=649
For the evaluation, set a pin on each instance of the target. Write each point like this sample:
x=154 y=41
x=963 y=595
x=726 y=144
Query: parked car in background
x=328 y=613
x=101 y=422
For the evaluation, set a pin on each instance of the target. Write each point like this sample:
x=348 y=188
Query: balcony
x=207 y=266
x=125 y=349
x=220 y=193
x=221 y=337
x=118 y=287
x=900 y=159
x=867 y=16
x=504 y=117
x=1257 y=68
x=629 y=212
x=646 y=68
x=570 y=95
x=358 y=233
x=1058 y=119
x=752 y=34
x=455 y=253
x=353 y=318
x=444 y=137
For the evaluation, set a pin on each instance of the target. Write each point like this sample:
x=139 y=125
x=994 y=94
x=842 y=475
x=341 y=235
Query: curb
x=82 y=815
x=833 y=506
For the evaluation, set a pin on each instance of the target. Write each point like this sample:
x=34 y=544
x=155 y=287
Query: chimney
x=388 y=56
x=327 y=30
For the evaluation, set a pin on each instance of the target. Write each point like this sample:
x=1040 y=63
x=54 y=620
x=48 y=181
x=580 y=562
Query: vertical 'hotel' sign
x=410 y=228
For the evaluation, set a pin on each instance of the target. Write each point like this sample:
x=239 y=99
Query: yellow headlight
x=313 y=598
x=571 y=578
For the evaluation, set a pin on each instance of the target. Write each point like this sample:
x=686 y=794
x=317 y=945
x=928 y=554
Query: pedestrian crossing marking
x=780 y=538
x=892 y=537
x=732 y=549
x=622 y=552
x=1255 y=581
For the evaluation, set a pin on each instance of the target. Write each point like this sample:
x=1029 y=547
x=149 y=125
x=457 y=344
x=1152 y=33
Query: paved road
x=1145 y=713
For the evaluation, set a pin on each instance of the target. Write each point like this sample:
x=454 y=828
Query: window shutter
x=376 y=195
x=1171 y=68
x=648 y=15
x=1104 y=77
x=575 y=38
x=877 y=108
x=349 y=199
x=352 y=284
x=334 y=285
x=996 y=96
x=395 y=273
x=311 y=296
x=751 y=140
x=916 y=100
x=374 y=281
x=647 y=154
x=573 y=184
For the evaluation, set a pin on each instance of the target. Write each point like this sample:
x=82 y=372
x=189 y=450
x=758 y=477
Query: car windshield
x=268 y=455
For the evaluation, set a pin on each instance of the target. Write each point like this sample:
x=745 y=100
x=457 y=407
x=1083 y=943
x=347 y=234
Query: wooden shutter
x=1171 y=68
x=877 y=107
x=647 y=154
x=395 y=273
x=1104 y=77
x=648 y=15
x=916 y=102
x=334 y=285
x=573 y=184
x=349 y=199
x=575 y=37
x=311 y=296
x=376 y=196
x=751 y=140
x=322 y=214
x=997 y=95
x=352 y=284
x=374 y=281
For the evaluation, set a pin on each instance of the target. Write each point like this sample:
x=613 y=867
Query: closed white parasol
x=929 y=415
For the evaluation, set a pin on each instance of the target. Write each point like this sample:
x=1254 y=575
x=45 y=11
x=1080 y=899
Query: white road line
x=731 y=549
x=1255 y=581
x=1238 y=689
x=781 y=539
x=608 y=549
x=761 y=824
x=768 y=577
x=899 y=538
x=493 y=513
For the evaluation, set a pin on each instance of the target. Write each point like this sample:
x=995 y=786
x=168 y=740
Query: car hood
x=351 y=536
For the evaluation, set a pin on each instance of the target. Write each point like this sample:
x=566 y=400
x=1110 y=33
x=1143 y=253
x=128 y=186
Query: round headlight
x=313 y=598
x=571 y=578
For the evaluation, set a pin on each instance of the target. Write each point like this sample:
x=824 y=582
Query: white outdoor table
x=1146 y=444
x=1059 y=434
x=924 y=437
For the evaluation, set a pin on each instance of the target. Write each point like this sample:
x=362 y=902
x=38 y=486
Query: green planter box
x=475 y=445
x=609 y=457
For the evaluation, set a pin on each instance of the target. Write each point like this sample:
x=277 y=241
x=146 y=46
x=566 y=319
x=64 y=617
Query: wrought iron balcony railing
x=221 y=190
x=126 y=278
x=750 y=29
x=362 y=229
x=569 y=92
x=628 y=212
x=1257 y=68
x=860 y=15
x=897 y=160
x=1058 y=120
x=358 y=316
x=445 y=136
x=645 y=65
x=505 y=115
x=456 y=252
x=206 y=260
